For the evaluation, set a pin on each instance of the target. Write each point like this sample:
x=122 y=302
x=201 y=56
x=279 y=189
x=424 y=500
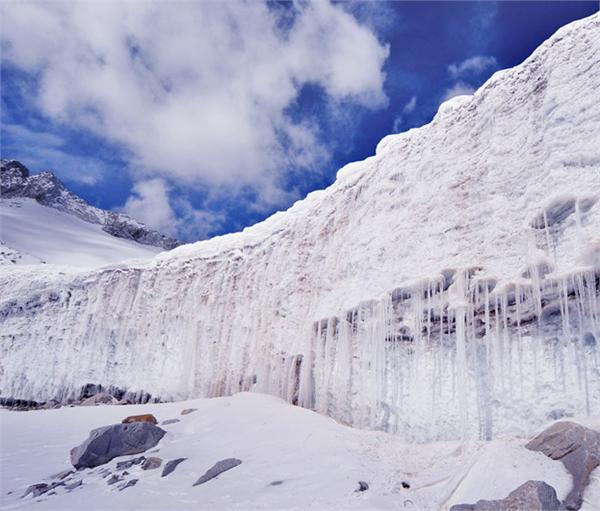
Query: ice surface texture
x=418 y=294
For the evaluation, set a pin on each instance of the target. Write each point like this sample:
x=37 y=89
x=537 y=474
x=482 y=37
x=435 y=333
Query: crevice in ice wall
x=484 y=223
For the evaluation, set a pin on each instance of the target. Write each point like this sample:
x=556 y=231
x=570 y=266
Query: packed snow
x=292 y=458
x=31 y=233
x=445 y=288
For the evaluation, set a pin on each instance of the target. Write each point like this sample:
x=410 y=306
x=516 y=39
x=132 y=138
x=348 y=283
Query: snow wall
x=447 y=287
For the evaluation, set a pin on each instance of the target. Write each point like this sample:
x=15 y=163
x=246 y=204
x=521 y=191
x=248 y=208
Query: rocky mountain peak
x=47 y=189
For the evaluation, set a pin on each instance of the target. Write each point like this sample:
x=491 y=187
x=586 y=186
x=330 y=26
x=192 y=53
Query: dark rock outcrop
x=530 y=496
x=109 y=442
x=579 y=450
x=218 y=468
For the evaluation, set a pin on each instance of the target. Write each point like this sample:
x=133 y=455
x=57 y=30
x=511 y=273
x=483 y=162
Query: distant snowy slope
x=48 y=190
x=447 y=287
x=32 y=233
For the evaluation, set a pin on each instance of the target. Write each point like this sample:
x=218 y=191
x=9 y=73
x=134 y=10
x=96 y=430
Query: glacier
x=447 y=287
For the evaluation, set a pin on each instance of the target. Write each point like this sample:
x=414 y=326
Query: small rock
x=36 y=490
x=122 y=465
x=275 y=483
x=125 y=473
x=113 y=479
x=218 y=468
x=72 y=486
x=171 y=466
x=151 y=463
x=169 y=421
x=146 y=417
x=109 y=442
x=531 y=496
x=187 y=411
x=128 y=484
x=105 y=473
x=405 y=485
x=579 y=450
x=62 y=475
x=362 y=486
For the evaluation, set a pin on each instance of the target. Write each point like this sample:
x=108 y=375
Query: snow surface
x=31 y=233
x=445 y=288
x=319 y=461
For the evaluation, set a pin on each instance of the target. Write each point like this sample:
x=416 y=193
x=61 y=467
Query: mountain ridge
x=16 y=182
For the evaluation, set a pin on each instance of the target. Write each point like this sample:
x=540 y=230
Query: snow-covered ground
x=31 y=233
x=318 y=460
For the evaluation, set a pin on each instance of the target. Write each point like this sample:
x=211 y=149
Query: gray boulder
x=109 y=442
x=218 y=468
x=171 y=466
x=579 y=450
x=531 y=496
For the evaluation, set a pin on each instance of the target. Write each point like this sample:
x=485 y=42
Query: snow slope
x=31 y=233
x=445 y=288
x=318 y=461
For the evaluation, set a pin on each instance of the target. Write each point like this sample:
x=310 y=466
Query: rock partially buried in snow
x=187 y=411
x=171 y=466
x=218 y=468
x=123 y=465
x=128 y=484
x=531 y=496
x=169 y=421
x=151 y=463
x=362 y=486
x=36 y=490
x=579 y=450
x=146 y=417
x=108 y=442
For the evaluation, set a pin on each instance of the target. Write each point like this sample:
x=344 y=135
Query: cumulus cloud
x=408 y=108
x=151 y=203
x=197 y=95
x=472 y=66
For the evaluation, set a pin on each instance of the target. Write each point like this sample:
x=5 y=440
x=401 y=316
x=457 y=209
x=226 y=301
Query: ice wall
x=445 y=287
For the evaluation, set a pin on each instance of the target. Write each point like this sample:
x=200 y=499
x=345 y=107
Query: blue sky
x=209 y=118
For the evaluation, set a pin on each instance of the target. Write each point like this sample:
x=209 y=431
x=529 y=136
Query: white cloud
x=458 y=89
x=408 y=108
x=472 y=65
x=151 y=202
x=198 y=94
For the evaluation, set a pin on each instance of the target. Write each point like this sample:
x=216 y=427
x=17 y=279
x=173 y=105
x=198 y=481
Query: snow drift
x=446 y=287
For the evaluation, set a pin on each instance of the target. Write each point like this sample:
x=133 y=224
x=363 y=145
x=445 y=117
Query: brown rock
x=147 y=417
